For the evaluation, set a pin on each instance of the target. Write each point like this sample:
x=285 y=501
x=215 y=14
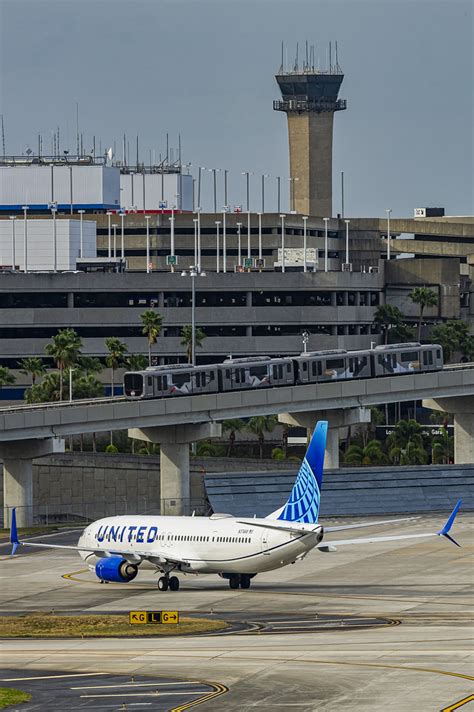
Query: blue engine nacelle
x=115 y=569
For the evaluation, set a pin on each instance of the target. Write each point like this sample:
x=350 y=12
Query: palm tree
x=187 y=340
x=371 y=454
x=424 y=297
x=388 y=317
x=259 y=425
x=454 y=336
x=233 y=426
x=151 y=322
x=412 y=454
x=32 y=366
x=6 y=377
x=115 y=358
x=404 y=432
x=65 y=348
x=442 y=449
x=136 y=362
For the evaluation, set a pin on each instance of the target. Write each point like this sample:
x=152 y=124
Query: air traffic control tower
x=309 y=99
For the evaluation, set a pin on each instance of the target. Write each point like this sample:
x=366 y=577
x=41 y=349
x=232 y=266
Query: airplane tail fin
x=303 y=502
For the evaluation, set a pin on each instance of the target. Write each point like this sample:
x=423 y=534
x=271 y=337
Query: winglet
x=14 y=541
x=445 y=530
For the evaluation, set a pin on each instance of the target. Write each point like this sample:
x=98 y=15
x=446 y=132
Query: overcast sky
x=205 y=69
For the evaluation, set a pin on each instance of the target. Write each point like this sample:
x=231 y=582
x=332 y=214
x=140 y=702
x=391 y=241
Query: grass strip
x=48 y=625
x=11 y=696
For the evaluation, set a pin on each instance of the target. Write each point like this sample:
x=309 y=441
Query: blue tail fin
x=14 y=533
x=304 y=499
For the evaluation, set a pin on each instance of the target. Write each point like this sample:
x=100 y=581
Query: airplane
x=235 y=548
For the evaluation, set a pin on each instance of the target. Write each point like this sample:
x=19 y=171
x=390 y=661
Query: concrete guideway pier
x=462 y=408
x=18 y=475
x=174 y=441
x=337 y=419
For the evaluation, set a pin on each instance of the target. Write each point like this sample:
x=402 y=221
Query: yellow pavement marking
x=52 y=677
x=459 y=704
x=217 y=692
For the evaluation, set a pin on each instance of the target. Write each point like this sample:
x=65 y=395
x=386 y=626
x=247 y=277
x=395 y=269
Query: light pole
x=264 y=175
x=278 y=193
x=259 y=236
x=283 y=216
x=71 y=210
x=115 y=239
x=325 y=244
x=305 y=338
x=13 y=218
x=225 y=186
x=218 y=222
x=201 y=168
x=81 y=240
x=147 y=218
x=239 y=252
x=214 y=171
x=194 y=271
x=109 y=216
x=131 y=179
x=347 y=241
x=199 y=237
x=388 y=211
x=195 y=240
x=25 y=238
x=54 y=208
x=292 y=193
x=247 y=175
x=122 y=237
x=305 y=219
x=249 y=251
x=171 y=219
x=224 y=239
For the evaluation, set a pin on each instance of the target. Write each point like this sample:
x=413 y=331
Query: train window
x=159 y=383
x=227 y=373
x=304 y=366
x=211 y=375
x=409 y=356
x=180 y=379
x=438 y=353
x=288 y=367
x=335 y=363
x=258 y=371
x=150 y=381
x=313 y=368
x=133 y=383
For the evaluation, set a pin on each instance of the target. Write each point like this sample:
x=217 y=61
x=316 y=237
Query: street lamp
x=13 y=218
x=131 y=179
x=325 y=244
x=249 y=251
x=283 y=216
x=305 y=339
x=218 y=222
x=115 y=240
x=109 y=216
x=147 y=218
x=201 y=168
x=347 y=241
x=247 y=175
x=225 y=185
x=239 y=254
x=195 y=240
x=171 y=219
x=292 y=193
x=122 y=237
x=225 y=210
x=25 y=237
x=305 y=219
x=214 y=171
x=388 y=211
x=194 y=271
x=264 y=175
x=81 y=241
x=198 y=210
x=278 y=193
x=259 y=236
x=54 y=209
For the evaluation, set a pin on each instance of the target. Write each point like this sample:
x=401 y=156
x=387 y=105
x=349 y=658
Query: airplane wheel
x=174 y=583
x=245 y=581
x=163 y=583
x=234 y=581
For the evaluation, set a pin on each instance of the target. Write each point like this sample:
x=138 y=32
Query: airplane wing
x=342 y=527
x=328 y=545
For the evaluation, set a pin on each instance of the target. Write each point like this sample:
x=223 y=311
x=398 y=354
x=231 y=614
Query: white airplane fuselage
x=200 y=544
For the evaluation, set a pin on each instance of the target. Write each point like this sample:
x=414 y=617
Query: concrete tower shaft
x=309 y=99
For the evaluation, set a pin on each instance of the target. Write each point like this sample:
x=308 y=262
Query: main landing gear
x=242 y=580
x=171 y=582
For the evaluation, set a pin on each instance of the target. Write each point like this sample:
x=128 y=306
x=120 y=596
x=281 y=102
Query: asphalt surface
x=375 y=627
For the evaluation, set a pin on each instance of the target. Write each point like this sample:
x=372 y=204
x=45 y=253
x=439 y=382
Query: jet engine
x=115 y=569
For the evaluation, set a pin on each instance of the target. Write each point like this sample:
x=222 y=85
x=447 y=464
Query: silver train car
x=265 y=372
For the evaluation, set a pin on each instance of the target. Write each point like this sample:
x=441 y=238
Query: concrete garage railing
x=352 y=491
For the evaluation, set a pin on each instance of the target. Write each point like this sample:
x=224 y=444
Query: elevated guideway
x=31 y=431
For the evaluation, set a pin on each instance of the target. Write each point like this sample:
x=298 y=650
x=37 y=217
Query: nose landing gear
x=167 y=581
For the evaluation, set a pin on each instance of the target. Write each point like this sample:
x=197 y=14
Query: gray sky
x=204 y=68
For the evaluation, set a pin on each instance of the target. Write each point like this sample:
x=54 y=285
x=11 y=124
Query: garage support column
x=463 y=409
x=174 y=440
x=18 y=475
x=338 y=421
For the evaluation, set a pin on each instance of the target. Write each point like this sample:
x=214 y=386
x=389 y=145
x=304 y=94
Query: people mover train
x=265 y=372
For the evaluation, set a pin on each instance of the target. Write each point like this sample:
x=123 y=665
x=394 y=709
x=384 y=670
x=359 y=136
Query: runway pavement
x=395 y=626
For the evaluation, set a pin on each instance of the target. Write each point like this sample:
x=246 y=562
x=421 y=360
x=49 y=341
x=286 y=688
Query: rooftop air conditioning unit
x=347 y=266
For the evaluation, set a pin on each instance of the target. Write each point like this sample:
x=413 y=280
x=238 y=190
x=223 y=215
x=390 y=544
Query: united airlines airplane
x=235 y=548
